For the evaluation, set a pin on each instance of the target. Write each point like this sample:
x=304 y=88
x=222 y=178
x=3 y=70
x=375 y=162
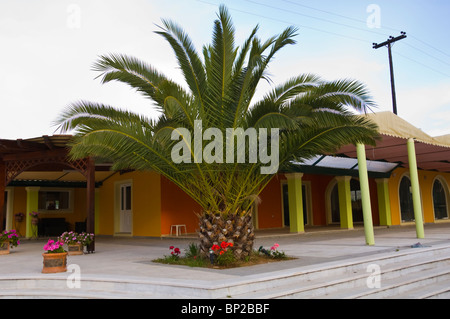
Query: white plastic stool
x=178 y=229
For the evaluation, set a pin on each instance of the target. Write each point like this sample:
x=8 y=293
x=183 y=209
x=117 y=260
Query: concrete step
x=302 y=282
x=54 y=285
x=436 y=290
x=342 y=281
x=350 y=285
x=400 y=287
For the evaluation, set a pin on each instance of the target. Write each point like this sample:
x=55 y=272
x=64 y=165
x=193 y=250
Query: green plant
x=192 y=251
x=273 y=252
x=223 y=256
x=174 y=254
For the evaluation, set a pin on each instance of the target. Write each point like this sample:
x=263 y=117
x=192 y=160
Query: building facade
x=404 y=179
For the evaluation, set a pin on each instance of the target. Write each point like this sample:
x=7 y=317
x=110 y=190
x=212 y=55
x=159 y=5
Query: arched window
x=406 y=201
x=355 y=194
x=334 y=203
x=439 y=200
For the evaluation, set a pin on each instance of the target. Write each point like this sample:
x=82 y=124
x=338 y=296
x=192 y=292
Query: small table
x=178 y=229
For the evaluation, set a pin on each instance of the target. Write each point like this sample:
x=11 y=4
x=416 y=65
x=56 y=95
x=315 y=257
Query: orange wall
x=177 y=208
x=426 y=179
x=319 y=184
x=270 y=213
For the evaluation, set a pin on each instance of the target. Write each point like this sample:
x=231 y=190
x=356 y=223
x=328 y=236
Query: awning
x=432 y=153
x=338 y=165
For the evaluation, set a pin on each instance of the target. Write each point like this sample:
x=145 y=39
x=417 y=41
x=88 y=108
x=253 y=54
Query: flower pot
x=4 y=248
x=75 y=249
x=54 y=262
x=18 y=218
x=34 y=221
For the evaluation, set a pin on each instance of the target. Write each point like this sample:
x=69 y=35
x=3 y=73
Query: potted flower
x=19 y=217
x=8 y=238
x=55 y=257
x=34 y=218
x=86 y=238
x=73 y=242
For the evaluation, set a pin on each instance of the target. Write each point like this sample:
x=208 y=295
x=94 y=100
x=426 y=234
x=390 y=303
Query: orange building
x=358 y=185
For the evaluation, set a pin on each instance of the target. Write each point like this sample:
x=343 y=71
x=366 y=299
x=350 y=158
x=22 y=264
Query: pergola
x=45 y=161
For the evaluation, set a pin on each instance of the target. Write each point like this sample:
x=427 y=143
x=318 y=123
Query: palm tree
x=303 y=117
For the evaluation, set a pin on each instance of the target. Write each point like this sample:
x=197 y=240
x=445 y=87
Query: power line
x=384 y=27
x=289 y=23
x=316 y=18
x=338 y=34
x=333 y=13
x=429 y=45
x=431 y=56
x=422 y=64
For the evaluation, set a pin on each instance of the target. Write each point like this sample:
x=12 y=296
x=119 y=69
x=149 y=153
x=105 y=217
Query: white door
x=125 y=208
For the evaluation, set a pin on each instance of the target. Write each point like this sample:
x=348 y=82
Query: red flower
x=215 y=247
x=224 y=245
x=171 y=247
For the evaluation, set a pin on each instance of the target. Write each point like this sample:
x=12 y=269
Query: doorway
x=440 y=200
x=406 y=200
x=286 y=204
x=125 y=214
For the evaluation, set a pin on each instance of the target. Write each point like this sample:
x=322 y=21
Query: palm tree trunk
x=236 y=228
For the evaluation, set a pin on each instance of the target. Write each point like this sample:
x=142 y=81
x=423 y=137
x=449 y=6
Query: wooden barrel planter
x=54 y=262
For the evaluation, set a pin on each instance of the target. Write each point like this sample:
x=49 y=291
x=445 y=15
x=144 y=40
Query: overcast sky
x=48 y=48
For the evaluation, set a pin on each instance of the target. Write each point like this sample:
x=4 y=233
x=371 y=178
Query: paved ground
x=132 y=257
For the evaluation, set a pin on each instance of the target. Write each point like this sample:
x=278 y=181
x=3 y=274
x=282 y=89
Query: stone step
x=326 y=281
x=343 y=285
x=397 y=288
x=302 y=282
x=437 y=290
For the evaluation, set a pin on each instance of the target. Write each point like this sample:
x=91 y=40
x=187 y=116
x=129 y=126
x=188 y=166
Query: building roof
x=432 y=153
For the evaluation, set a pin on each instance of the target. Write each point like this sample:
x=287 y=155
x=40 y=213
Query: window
x=54 y=200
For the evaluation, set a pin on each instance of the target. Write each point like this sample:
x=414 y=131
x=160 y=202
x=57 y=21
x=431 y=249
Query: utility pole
x=388 y=43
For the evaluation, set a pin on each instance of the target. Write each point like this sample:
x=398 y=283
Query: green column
x=345 y=201
x=384 y=206
x=415 y=190
x=295 y=198
x=32 y=206
x=365 y=194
